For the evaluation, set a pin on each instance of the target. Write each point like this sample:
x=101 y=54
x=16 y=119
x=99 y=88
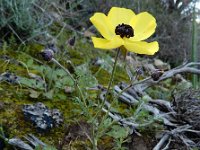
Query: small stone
x=159 y=64
x=9 y=77
x=88 y=33
x=68 y=90
x=149 y=67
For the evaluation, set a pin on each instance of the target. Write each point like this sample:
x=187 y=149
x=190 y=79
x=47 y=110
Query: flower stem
x=94 y=142
x=110 y=83
x=112 y=74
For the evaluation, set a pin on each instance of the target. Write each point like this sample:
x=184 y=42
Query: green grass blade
x=194 y=47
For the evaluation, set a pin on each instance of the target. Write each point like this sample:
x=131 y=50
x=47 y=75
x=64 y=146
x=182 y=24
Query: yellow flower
x=123 y=28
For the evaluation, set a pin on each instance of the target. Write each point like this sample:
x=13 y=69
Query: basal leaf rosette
x=123 y=28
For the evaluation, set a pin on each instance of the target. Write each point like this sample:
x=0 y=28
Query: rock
x=149 y=67
x=159 y=64
x=87 y=33
x=178 y=78
x=68 y=89
x=9 y=77
x=42 y=117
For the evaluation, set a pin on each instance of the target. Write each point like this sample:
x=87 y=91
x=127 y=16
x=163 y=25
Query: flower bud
x=47 y=54
x=157 y=74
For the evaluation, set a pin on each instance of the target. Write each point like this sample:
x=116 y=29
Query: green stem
x=194 y=47
x=94 y=140
x=112 y=75
x=110 y=83
x=102 y=104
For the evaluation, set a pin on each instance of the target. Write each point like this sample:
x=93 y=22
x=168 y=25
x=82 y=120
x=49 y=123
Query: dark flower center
x=124 y=30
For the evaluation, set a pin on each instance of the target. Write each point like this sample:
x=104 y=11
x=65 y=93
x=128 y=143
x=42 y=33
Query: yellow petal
x=141 y=47
x=119 y=15
x=103 y=25
x=144 y=25
x=107 y=44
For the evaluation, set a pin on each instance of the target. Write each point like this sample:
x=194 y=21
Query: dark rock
x=9 y=77
x=42 y=117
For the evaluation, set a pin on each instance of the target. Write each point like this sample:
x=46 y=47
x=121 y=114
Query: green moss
x=102 y=75
x=121 y=75
x=12 y=117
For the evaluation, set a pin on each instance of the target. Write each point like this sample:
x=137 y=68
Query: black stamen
x=124 y=30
